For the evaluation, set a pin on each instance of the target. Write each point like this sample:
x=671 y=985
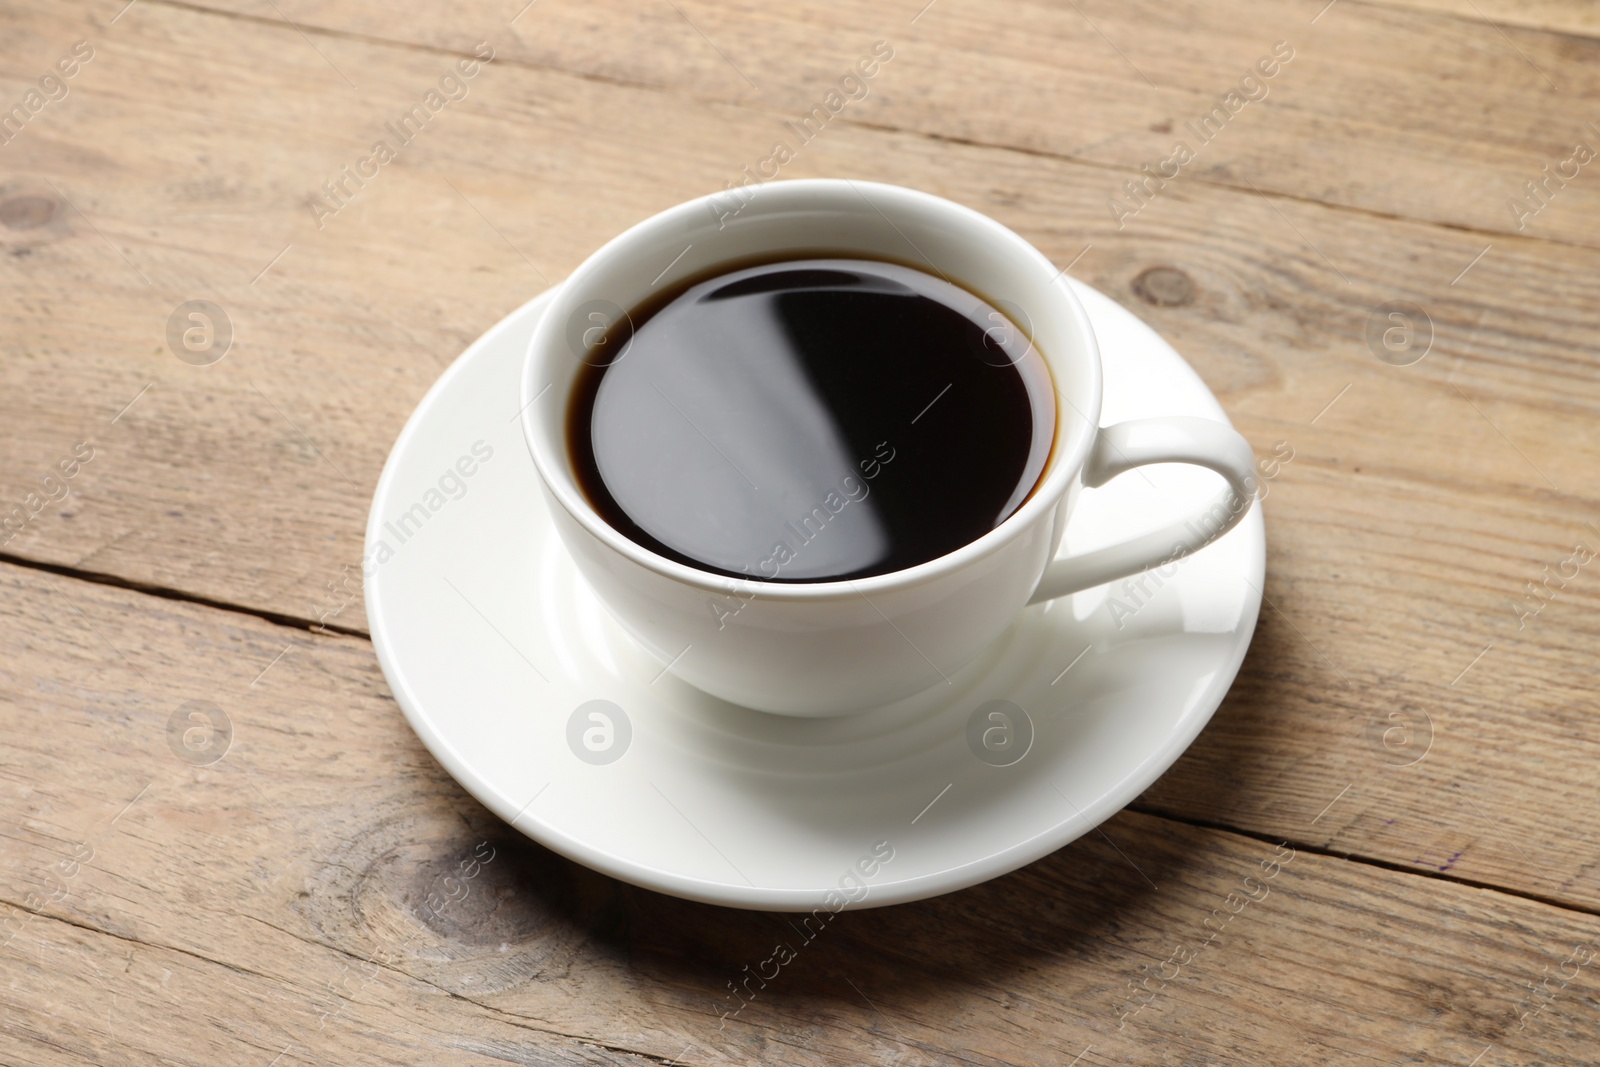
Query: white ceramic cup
x=827 y=648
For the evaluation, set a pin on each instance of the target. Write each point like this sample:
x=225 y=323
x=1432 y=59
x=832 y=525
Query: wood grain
x=1389 y=108
x=1559 y=16
x=1403 y=703
x=292 y=895
x=78 y=995
x=321 y=380
x=1403 y=532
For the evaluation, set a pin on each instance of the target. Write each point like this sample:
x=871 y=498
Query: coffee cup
x=826 y=648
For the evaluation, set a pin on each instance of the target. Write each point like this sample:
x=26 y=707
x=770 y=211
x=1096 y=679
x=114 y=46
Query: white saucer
x=495 y=649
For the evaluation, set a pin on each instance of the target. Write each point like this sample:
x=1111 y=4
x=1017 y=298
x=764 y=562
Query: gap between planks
x=162 y=592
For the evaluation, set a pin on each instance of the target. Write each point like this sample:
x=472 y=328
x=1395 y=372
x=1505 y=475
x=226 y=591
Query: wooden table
x=1349 y=253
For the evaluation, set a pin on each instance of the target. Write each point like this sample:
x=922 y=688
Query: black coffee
x=811 y=420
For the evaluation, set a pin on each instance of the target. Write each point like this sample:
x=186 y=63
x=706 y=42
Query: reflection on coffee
x=810 y=420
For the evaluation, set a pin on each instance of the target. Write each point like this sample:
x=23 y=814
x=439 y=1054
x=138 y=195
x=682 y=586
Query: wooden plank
x=1404 y=530
x=79 y=995
x=158 y=909
x=1576 y=17
x=1359 y=117
x=323 y=377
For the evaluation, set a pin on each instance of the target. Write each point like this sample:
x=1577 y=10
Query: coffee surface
x=810 y=420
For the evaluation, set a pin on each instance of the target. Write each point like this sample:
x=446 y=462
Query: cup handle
x=1136 y=443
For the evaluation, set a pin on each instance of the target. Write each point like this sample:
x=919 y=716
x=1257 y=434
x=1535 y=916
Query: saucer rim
x=732 y=894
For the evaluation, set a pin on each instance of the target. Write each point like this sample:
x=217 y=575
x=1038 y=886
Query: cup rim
x=1066 y=458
